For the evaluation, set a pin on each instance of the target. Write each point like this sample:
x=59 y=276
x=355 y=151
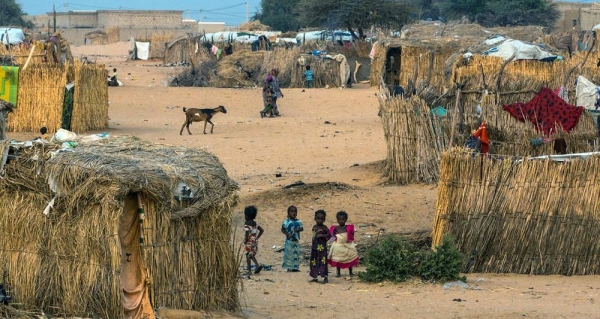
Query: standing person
x=343 y=253
x=292 y=227
x=271 y=92
x=253 y=231
x=318 y=254
x=308 y=76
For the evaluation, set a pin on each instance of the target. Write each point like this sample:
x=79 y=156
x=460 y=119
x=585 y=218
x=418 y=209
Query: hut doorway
x=392 y=67
x=134 y=276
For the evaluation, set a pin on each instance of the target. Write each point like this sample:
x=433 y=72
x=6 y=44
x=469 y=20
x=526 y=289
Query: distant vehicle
x=12 y=34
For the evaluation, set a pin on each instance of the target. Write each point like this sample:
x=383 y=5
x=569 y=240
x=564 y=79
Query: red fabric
x=546 y=110
x=482 y=135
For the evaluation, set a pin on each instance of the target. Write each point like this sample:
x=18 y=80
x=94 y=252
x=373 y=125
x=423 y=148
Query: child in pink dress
x=343 y=253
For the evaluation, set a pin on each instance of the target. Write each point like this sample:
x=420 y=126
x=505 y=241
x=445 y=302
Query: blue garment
x=291 y=251
x=309 y=75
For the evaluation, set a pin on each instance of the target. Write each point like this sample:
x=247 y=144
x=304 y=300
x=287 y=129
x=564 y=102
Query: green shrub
x=392 y=259
x=442 y=264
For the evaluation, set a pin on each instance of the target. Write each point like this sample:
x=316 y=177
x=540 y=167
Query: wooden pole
x=29 y=57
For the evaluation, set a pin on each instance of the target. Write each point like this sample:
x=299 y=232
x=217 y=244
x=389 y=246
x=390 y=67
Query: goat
x=199 y=115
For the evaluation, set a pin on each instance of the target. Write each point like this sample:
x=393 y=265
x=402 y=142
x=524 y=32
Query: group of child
x=330 y=246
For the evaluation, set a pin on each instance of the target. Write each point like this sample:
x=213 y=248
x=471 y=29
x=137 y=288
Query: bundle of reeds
x=240 y=69
x=68 y=262
x=283 y=59
x=530 y=217
x=414 y=140
x=90 y=99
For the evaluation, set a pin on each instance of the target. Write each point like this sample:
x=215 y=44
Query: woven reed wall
x=378 y=64
x=533 y=217
x=191 y=261
x=90 y=98
x=41 y=93
x=416 y=65
x=40 y=98
x=414 y=145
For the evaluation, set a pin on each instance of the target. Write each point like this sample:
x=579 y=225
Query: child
x=318 y=254
x=343 y=252
x=253 y=232
x=292 y=227
x=308 y=75
x=112 y=81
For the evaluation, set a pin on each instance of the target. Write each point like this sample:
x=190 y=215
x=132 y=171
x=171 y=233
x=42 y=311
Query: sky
x=232 y=12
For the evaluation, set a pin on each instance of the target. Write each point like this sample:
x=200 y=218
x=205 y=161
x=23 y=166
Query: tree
x=357 y=14
x=521 y=12
x=500 y=12
x=11 y=14
x=280 y=15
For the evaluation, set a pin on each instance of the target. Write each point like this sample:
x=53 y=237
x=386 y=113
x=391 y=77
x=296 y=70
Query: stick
x=29 y=57
x=454 y=117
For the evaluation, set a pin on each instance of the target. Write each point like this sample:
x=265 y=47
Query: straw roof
x=127 y=164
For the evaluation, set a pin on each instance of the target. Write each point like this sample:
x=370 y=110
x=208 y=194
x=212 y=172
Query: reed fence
x=528 y=217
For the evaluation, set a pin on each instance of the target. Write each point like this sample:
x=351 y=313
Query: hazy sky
x=232 y=12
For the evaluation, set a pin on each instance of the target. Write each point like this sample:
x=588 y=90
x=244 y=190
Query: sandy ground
x=333 y=140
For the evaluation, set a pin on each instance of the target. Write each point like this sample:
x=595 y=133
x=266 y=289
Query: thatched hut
x=95 y=37
x=186 y=49
x=521 y=216
x=116 y=227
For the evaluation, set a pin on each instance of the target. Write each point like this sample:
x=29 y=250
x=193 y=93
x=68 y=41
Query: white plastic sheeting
x=142 y=50
x=229 y=36
x=324 y=35
x=587 y=93
x=14 y=35
x=521 y=51
x=344 y=69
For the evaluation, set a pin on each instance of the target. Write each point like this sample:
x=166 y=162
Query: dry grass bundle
x=530 y=217
x=20 y=53
x=242 y=68
x=113 y=34
x=90 y=99
x=41 y=93
x=254 y=26
x=414 y=140
x=73 y=253
x=283 y=59
x=378 y=63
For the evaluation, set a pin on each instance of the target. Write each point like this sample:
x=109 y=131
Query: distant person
x=291 y=228
x=318 y=254
x=228 y=49
x=112 y=81
x=308 y=76
x=271 y=92
x=252 y=231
